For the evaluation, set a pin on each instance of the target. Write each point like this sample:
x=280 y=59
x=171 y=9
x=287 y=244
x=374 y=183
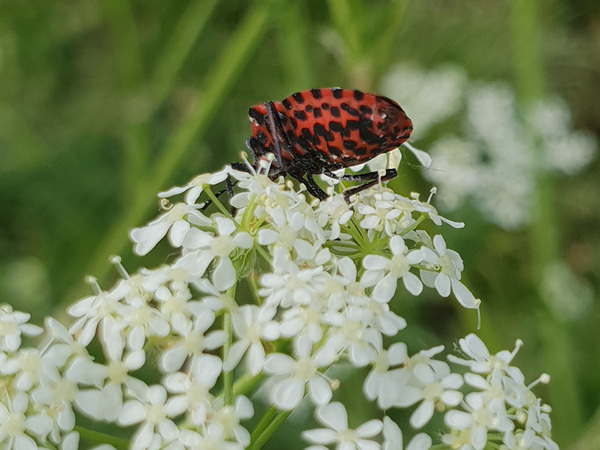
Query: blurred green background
x=105 y=103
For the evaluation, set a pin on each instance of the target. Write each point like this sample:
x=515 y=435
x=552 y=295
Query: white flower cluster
x=494 y=157
x=322 y=275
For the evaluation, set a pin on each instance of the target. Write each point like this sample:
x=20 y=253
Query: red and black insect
x=321 y=130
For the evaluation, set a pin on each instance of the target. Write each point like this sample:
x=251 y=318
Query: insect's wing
x=343 y=127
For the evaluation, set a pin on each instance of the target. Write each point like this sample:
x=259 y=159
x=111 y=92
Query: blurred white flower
x=13 y=324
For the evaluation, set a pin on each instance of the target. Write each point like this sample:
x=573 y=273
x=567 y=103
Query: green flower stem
x=557 y=349
x=213 y=198
x=228 y=375
x=103 y=438
x=218 y=83
x=270 y=421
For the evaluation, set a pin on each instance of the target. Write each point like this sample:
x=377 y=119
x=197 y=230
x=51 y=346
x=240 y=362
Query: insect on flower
x=319 y=131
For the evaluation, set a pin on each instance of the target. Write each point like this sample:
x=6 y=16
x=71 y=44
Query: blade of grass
x=294 y=52
x=130 y=69
x=185 y=33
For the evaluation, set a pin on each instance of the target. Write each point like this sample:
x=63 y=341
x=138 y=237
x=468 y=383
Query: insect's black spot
x=334 y=151
x=335 y=127
x=317 y=112
x=320 y=130
x=352 y=124
x=359 y=151
x=325 y=105
x=298 y=97
x=349 y=145
x=316 y=93
x=308 y=136
x=261 y=138
x=350 y=110
x=254 y=114
x=291 y=135
x=308 y=108
x=335 y=111
x=287 y=104
x=300 y=115
x=337 y=93
x=365 y=110
x=365 y=132
x=358 y=96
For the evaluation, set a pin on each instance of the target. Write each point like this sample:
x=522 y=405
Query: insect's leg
x=372 y=178
x=311 y=186
x=276 y=130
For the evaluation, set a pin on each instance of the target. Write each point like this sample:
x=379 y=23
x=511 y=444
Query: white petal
x=370 y=428
x=458 y=420
x=375 y=262
x=255 y=358
x=442 y=284
x=279 y=364
x=397 y=245
x=177 y=232
x=236 y=352
x=319 y=391
x=287 y=394
x=318 y=436
x=132 y=412
x=422 y=414
x=224 y=275
x=333 y=416
x=464 y=295
x=266 y=236
x=421 y=441
x=385 y=289
x=243 y=240
x=412 y=283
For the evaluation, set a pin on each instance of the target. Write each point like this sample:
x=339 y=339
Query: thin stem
x=228 y=375
x=215 y=200
x=266 y=427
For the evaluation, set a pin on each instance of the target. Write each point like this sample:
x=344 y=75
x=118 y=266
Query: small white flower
x=193 y=387
x=175 y=222
x=194 y=341
x=383 y=273
x=154 y=412
x=14 y=424
x=474 y=425
x=335 y=418
x=483 y=362
x=251 y=327
x=438 y=390
x=448 y=278
x=293 y=374
x=208 y=247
